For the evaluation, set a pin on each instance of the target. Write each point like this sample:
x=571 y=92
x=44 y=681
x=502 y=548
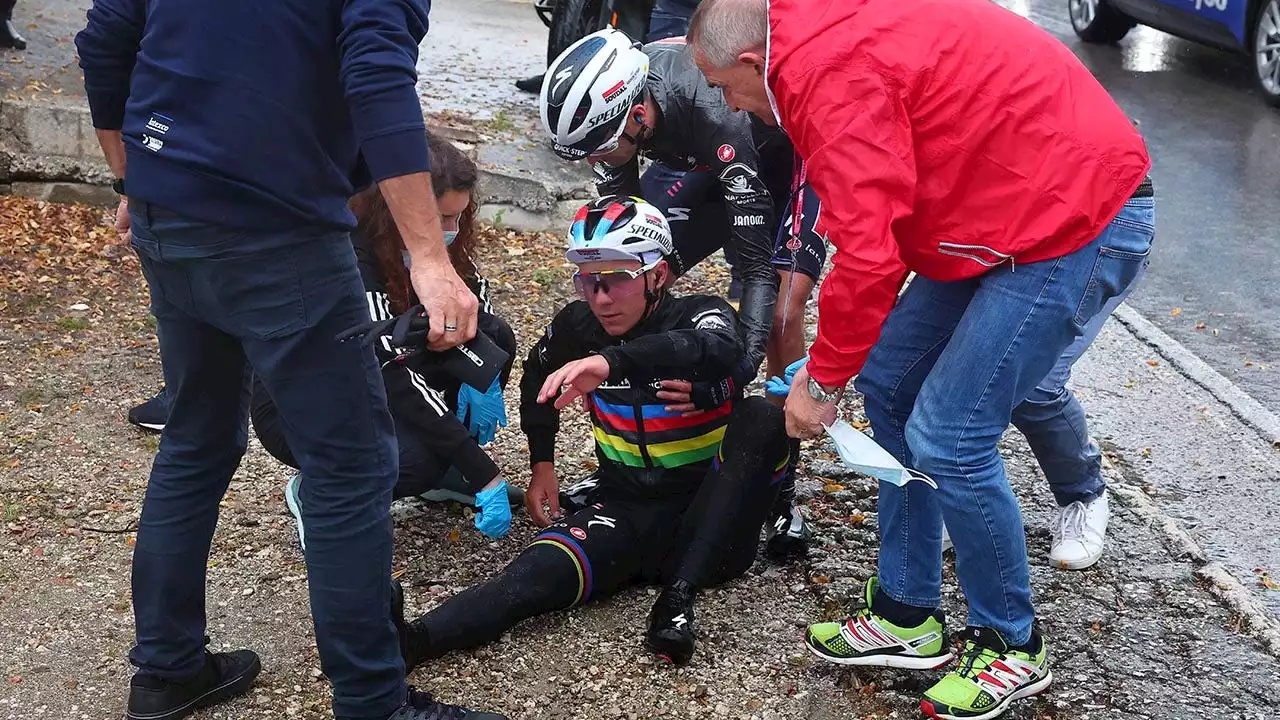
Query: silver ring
x=450 y=328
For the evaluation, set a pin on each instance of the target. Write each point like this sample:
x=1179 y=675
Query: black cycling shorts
x=617 y=543
x=807 y=252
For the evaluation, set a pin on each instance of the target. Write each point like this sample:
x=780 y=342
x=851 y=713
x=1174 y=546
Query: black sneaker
x=152 y=414
x=9 y=37
x=671 y=624
x=224 y=676
x=531 y=84
x=420 y=706
x=412 y=641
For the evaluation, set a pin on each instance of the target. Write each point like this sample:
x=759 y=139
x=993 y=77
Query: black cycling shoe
x=787 y=538
x=787 y=535
x=224 y=676
x=671 y=623
x=9 y=37
x=152 y=414
x=413 y=642
x=531 y=84
x=420 y=706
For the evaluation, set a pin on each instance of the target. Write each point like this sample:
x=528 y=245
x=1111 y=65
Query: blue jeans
x=277 y=300
x=1053 y=421
x=953 y=361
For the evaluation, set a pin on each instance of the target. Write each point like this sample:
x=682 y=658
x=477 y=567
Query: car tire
x=1097 y=21
x=1266 y=50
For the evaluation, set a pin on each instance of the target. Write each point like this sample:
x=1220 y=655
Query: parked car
x=1248 y=26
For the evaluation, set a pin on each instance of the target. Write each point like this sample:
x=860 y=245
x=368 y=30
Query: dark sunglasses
x=617 y=284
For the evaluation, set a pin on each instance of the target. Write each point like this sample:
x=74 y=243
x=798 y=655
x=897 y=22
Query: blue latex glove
x=494 y=518
x=780 y=386
x=482 y=412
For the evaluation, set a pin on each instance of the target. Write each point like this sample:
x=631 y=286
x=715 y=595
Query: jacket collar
x=773 y=102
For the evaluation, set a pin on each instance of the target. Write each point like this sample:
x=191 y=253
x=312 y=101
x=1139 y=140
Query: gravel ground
x=1133 y=637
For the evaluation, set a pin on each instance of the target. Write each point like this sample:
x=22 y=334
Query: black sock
x=900 y=614
x=1032 y=645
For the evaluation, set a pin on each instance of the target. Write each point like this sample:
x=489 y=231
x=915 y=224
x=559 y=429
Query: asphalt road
x=1216 y=150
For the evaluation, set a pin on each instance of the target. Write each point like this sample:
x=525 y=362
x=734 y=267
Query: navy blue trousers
x=222 y=297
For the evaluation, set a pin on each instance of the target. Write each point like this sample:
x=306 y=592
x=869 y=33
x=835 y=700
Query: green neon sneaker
x=868 y=639
x=988 y=678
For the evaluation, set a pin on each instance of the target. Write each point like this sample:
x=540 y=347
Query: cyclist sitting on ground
x=721 y=178
x=678 y=499
x=440 y=423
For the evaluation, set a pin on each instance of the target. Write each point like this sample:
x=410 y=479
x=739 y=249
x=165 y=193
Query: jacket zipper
x=962 y=251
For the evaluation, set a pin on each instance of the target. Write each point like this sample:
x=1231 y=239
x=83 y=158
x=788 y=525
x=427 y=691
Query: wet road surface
x=1215 y=146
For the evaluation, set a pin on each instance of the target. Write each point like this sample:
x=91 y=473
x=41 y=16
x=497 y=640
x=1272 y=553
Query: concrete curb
x=50 y=152
x=1255 y=619
x=44 y=142
x=1250 y=411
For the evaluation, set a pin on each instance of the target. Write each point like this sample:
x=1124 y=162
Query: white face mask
x=865 y=455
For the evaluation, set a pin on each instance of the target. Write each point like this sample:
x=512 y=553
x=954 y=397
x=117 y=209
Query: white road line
x=1250 y=411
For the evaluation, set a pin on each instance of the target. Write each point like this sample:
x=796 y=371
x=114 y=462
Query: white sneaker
x=1079 y=532
x=294 y=501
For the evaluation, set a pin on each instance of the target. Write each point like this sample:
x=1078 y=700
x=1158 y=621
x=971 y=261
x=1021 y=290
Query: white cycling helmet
x=587 y=91
x=618 y=228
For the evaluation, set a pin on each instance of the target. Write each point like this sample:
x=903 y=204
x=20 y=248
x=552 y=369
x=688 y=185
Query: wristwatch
x=118 y=186
x=822 y=395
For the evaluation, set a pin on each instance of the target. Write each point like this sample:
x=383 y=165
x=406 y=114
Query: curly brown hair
x=451 y=170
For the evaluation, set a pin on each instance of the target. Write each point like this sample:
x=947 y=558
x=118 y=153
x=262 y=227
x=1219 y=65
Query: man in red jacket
x=957 y=140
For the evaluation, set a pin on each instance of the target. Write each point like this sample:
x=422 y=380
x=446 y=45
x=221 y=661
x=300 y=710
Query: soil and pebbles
x=1134 y=637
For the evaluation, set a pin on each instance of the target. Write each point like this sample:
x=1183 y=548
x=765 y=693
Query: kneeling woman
x=440 y=422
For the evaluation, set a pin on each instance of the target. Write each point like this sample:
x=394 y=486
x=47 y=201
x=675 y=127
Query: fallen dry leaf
x=1176 y=312
x=1200 y=325
x=1153 y=363
x=832 y=487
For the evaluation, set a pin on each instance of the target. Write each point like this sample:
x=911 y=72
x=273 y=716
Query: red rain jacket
x=945 y=137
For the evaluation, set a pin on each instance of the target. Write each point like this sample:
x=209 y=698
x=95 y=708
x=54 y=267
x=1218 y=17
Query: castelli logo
x=726 y=153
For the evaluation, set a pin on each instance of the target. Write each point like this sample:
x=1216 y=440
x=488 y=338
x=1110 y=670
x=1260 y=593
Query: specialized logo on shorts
x=578 y=533
x=602 y=520
x=726 y=153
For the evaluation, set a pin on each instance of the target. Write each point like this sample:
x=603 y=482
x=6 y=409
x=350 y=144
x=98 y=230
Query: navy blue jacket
x=258 y=114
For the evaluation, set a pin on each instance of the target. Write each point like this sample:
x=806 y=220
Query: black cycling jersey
x=638 y=443
x=697 y=131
